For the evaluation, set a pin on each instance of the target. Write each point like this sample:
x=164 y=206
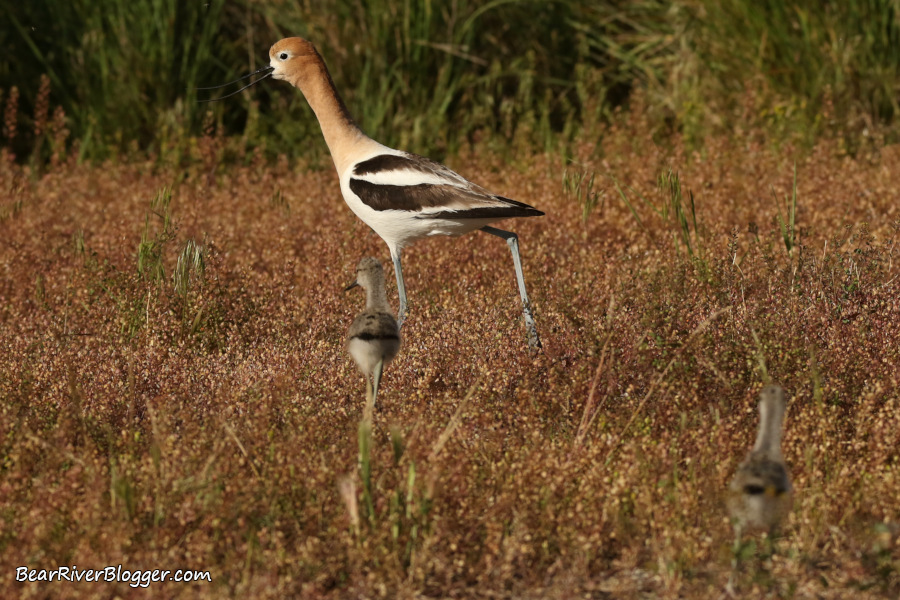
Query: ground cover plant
x=175 y=392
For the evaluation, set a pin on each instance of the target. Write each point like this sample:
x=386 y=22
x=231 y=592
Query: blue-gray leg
x=512 y=241
x=401 y=288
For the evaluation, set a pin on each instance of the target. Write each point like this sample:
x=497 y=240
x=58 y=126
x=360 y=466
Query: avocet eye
x=283 y=56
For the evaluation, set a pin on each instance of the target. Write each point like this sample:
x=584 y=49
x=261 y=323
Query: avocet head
x=283 y=64
x=369 y=274
x=288 y=56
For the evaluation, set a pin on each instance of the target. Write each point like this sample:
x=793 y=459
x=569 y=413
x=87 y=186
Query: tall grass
x=432 y=75
x=807 y=54
x=124 y=71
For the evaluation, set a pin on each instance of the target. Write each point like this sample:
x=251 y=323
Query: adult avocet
x=401 y=196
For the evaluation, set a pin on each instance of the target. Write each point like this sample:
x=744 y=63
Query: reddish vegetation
x=217 y=428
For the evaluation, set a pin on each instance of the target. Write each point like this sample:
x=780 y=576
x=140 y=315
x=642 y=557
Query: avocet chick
x=374 y=338
x=760 y=494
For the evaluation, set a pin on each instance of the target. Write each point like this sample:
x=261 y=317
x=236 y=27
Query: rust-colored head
x=290 y=57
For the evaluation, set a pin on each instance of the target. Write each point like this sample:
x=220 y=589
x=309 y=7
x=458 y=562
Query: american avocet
x=374 y=337
x=760 y=495
x=401 y=196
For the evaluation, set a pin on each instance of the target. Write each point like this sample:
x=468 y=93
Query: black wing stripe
x=379 y=196
x=489 y=212
x=368 y=337
x=387 y=162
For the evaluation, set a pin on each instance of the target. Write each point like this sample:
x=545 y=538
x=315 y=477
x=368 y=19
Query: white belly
x=400 y=227
x=367 y=353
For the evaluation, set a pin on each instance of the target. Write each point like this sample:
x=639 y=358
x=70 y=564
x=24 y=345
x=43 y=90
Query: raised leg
x=401 y=288
x=512 y=240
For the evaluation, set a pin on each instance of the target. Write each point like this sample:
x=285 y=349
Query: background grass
x=431 y=75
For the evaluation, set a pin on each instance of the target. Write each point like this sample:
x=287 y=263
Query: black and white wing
x=416 y=184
